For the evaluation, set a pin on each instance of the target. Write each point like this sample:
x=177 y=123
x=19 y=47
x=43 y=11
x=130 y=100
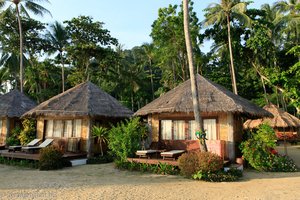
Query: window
x=57 y=128
x=179 y=130
x=166 y=129
x=49 y=128
x=68 y=128
x=63 y=128
x=210 y=128
x=192 y=130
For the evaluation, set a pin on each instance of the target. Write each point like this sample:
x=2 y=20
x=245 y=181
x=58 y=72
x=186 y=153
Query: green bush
x=28 y=133
x=106 y=158
x=193 y=162
x=13 y=139
x=218 y=176
x=161 y=168
x=19 y=162
x=124 y=139
x=51 y=158
x=259 y=151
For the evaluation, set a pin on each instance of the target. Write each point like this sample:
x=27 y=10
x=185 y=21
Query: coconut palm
x=291 y=9
x=225 y=11
x=58 y=40
x=21 y=7
x=195 y=95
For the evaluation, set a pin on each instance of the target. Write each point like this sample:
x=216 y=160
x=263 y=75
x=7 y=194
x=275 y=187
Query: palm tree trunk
x=234 y=87
x=151 y=79
x=194 y=89
x=21 y=49
x=62 y=72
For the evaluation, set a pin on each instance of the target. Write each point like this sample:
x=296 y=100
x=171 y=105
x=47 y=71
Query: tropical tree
x=226 y=11
x=58 y=39
x=195 y=94
x=101 y=133
x=21 y=7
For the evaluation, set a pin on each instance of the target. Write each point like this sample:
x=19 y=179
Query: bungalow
x=171 y=118
x=69 y=116
x=286 y=126
x=12 y=106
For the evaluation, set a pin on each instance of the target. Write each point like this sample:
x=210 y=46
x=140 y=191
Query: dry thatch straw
x=85 y=99
x=281 y=119
x=15 y=104
x=213 y=98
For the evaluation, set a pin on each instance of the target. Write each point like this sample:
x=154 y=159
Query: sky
x=129 y=21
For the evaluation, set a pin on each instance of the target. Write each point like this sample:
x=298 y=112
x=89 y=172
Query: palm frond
x=36 y=8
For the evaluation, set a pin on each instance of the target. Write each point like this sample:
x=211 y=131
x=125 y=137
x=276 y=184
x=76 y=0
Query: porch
x=36 y=156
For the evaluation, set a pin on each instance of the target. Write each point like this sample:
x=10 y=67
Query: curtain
x=49 y=128
x=192 y=130
x=68 y=128
x=210 y=127
x=179 y=130
x=166 y=129
x=58 y=128
x=77 y=132
x=1 y=122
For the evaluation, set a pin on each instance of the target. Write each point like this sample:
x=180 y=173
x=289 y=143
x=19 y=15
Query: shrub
x=106 y=158
x=51 y=158
x=124 y=139
x=193 y=162
x=259 y=151
x=28 y=133
x=217 y=176
x=13 y=139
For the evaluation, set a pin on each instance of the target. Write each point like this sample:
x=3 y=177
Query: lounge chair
x=46 y=143
x=146 y=153
x=19 y=147
x=172 y=154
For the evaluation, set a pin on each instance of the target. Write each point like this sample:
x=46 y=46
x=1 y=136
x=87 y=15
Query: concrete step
x=77 y=162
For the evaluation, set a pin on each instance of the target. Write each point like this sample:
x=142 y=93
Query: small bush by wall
x=51 y=158
x=193 y=162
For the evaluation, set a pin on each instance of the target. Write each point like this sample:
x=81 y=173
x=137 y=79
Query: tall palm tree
x=21 y=7
x=195 y=95
x=58 y=39
x=225 y=11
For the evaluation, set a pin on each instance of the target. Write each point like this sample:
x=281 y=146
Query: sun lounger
x=146 y=153
x=46 y=143
x=172 y=154
x=19 y=147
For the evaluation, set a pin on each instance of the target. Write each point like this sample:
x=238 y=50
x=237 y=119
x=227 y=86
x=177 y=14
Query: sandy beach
x=106 y=182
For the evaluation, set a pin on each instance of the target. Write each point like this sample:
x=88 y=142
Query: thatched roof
x=281 y=119
x=15 y=104
x=85 y=99
x=213 y=98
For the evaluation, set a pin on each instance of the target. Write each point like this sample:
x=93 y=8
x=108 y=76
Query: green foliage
x=101 y=134
x=51 y=158
x=161 y=168
x=28 y=132
x=19 y=162
x=125 y=138
x=13 y=139
x=193 y=162
x=258 y=150
x=107 y=158
x=218 y=176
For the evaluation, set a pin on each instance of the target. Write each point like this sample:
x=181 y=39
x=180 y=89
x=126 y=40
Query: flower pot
x=239 y=161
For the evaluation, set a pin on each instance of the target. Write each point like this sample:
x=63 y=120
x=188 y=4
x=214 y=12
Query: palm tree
x=21 y=6
x=101 y=134
x=225 y=11
x=58 y=39
x=195 y=95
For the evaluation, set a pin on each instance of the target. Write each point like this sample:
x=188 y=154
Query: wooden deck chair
x=19 y=147
x=146 y=153
x=44 y=144
x=172 y=154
